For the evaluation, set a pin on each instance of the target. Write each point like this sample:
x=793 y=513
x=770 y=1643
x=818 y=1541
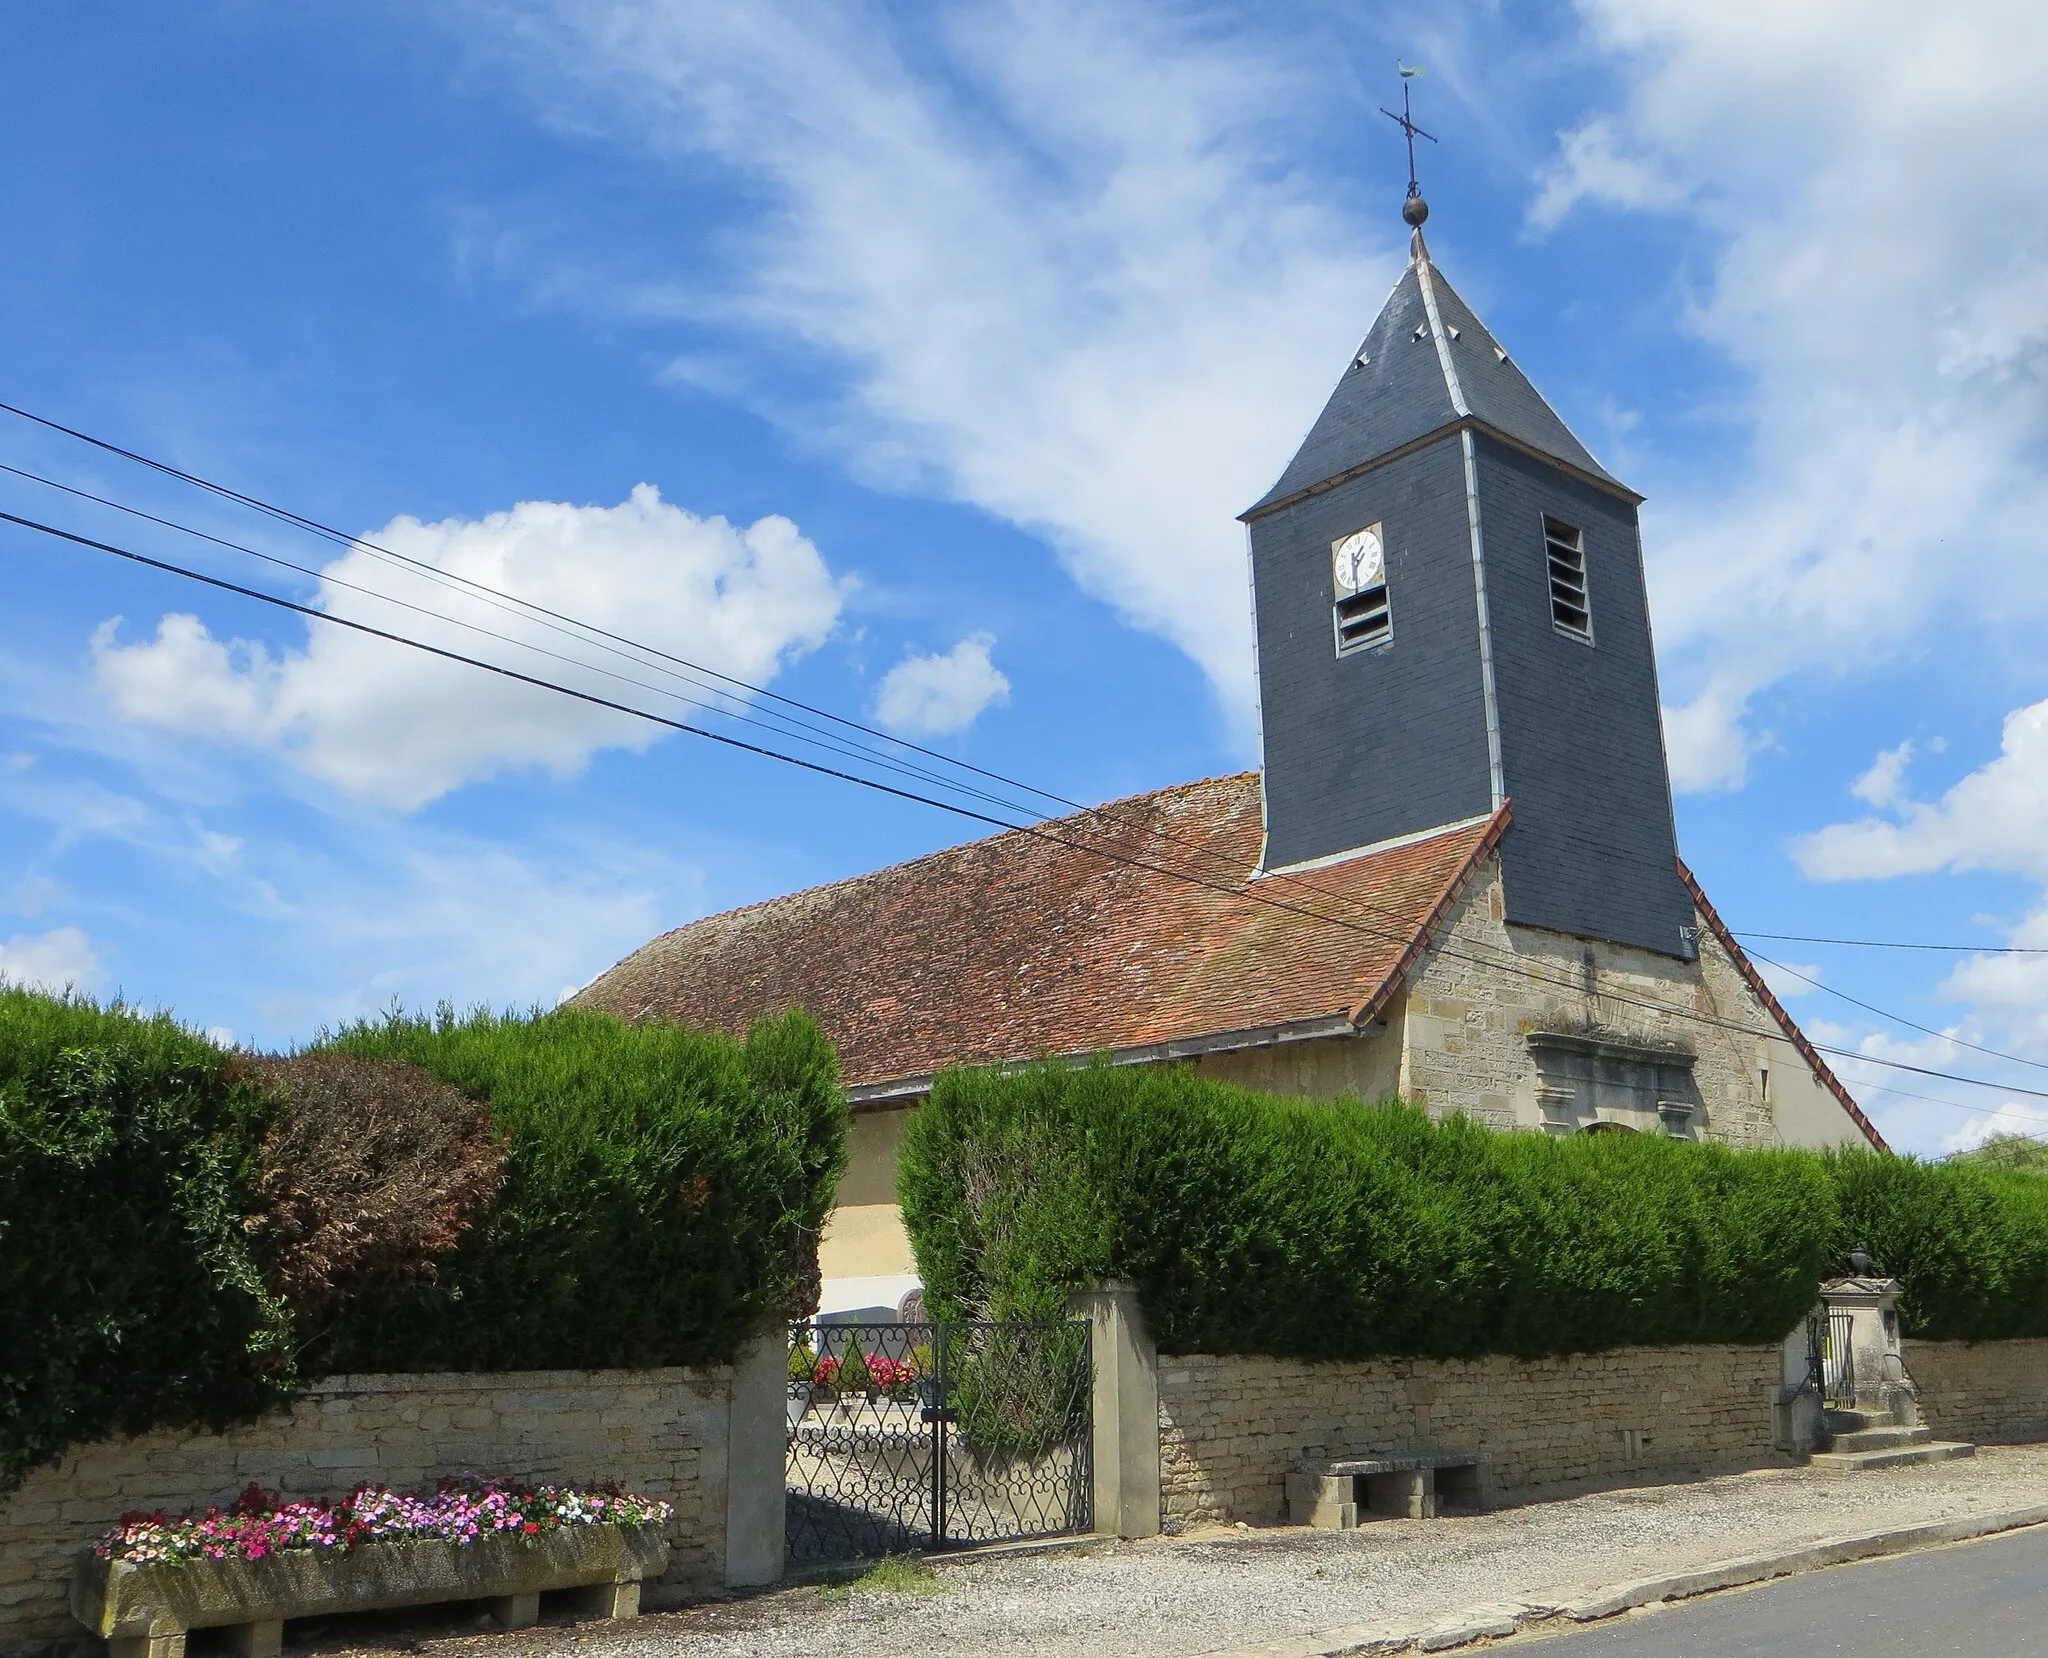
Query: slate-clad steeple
x=1451 y=613
x=1391 y=396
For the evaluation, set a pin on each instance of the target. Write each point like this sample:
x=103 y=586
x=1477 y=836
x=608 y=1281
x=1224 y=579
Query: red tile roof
x=1035 y=943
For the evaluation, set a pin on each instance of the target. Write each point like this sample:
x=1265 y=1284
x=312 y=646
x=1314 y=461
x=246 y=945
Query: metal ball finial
x=1414 y=210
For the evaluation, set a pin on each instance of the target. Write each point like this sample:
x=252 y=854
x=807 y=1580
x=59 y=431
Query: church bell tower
x=1451 y=614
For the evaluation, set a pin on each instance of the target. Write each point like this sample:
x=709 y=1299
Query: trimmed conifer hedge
x=130 y=1296
x=1331 y=1229
x=1968 y=1242
x=662 y=1196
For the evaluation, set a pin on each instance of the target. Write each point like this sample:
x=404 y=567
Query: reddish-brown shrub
x=371 y=1168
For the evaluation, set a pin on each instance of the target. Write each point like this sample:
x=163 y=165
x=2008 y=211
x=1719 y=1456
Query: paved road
x=1986 y=1599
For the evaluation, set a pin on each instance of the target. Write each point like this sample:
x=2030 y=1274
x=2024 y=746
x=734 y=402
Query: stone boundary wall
x=1229 y=1427
x=665 y=1433
x=1992 y=1392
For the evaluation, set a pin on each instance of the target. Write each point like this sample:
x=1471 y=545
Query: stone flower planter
x=145 y=1611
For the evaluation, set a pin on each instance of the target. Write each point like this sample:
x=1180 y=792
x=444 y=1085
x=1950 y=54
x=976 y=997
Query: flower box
x=144 y=1610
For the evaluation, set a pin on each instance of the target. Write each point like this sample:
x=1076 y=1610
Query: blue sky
x=916 y=360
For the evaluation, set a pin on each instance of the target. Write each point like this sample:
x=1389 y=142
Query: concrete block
x=514 y=1611
x=257 y=1640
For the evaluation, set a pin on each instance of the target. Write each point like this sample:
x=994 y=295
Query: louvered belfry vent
x=1364 y=619
x=1565 y=548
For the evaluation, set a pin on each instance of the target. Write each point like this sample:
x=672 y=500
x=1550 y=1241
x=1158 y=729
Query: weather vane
x=1414 y=210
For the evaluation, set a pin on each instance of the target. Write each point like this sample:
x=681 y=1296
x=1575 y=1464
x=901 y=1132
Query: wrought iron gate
x=934 y=1436
x=1830 y=1361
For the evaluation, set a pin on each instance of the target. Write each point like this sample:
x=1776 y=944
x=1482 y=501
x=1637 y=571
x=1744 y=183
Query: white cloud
x=1883 y=786
x=1589 y=164
x=1791 y=981
x=398 y=727
x=2013 y=1117
x=935 y=696
x=60 y=959
x=1864 y=171
x=1060 y=262
x=1705 y=744
x=1991 y=819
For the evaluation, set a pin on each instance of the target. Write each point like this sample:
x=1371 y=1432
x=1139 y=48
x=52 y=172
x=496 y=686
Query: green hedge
x=1969 y=1243
x=664 y=1193
x=663 y=1197
x=1330 y=1229
x=129 y=1294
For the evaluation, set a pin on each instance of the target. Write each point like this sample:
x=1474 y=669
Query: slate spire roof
x=1428 y=366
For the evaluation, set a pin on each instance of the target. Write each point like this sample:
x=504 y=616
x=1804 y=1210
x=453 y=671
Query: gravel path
x=1176 y=1597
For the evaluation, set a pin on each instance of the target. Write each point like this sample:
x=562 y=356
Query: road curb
x=1587 y=1603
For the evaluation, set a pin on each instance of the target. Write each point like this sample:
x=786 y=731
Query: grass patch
x=894 y=1574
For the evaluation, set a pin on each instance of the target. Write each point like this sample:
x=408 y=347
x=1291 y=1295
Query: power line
x=732 y=709
x=1900 y=1019
x=1891 y=944
x=1953 y=1105
x=581 y=631
x=862 y=752
x=1033 y=830
x=589 y=632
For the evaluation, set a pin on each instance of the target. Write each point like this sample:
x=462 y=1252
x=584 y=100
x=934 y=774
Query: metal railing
x=934 y=1436
x=1831 y=1359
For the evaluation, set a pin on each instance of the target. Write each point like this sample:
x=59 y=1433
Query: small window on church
x=1358 y=579
x=1565 y=550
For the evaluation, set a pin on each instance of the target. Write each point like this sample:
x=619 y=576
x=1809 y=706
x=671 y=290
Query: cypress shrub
x=1969 y=1242
x=664 y=1191
x=1332 y=1229
x=130 y=1297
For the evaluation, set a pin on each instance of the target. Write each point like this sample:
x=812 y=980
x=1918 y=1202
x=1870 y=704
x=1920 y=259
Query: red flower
x=530 y=1529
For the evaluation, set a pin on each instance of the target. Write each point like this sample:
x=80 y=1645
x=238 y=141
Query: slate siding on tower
x=1382 y=742
x=1593 y=851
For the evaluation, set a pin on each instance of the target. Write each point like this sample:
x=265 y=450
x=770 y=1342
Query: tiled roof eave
x=872 y=1094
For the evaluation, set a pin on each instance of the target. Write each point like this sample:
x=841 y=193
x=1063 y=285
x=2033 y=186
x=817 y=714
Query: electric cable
x=1032 y=830
x=567 y=624
x=1900 y=1019
x=590 y=633
x=1890 y=944
x=737 y=710
x=862 y=752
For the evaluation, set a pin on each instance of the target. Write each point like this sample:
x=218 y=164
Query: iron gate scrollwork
x=934 y=1436
x=1830 y=1358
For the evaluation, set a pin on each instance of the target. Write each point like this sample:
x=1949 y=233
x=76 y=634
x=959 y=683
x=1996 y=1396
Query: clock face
x=1358 y=560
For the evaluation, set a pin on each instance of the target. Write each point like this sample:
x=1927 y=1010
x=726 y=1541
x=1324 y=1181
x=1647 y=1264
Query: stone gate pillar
x=1877 y=1352
x=1126 y=1411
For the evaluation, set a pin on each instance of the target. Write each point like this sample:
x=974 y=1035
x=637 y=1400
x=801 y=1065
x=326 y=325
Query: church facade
x=1455 y=879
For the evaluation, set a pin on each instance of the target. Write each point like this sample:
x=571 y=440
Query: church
x=1455 y=878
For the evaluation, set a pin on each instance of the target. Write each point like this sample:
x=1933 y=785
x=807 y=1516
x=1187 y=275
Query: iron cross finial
x=1414 y=210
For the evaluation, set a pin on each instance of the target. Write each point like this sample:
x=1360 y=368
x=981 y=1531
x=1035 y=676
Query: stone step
x=1841 y=1419
x=1849 y=1462
x=1881 y=1439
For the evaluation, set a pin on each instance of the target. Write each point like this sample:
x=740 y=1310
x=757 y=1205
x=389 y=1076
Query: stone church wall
x=1463 y=1024
x=1230 y=1426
